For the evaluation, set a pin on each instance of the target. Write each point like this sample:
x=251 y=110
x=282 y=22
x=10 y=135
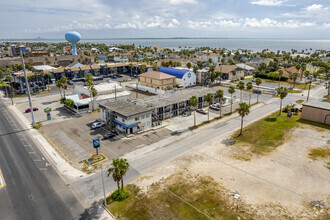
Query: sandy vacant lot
x=281 y=184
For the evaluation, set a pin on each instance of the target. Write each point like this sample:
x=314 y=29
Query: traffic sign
x=96 y=142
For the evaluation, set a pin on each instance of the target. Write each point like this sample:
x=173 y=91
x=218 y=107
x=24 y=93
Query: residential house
x=184 y=77
x=227 y=72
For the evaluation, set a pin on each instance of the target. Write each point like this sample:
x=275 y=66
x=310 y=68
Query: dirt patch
x=282 y=183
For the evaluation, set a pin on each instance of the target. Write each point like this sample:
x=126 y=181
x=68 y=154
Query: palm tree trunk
x=279 y=82
x=258 y=95
x=122 y=183
x=241 y=95
x=241 y=126
x=220 y=107
x=231 y=103
x=250 y=99
x=118 y=187
x=280 y=108
x=195 y=118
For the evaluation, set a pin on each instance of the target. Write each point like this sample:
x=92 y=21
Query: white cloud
x=268 y=2
x=179 y=2
x=314 y=7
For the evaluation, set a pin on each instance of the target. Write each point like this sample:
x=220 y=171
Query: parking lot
x=75 y=138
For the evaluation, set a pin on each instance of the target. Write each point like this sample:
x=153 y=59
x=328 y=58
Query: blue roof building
x=184 y=77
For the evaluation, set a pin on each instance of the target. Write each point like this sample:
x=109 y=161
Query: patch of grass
x=165 y=203
x=321 y=152
x=95 y=159
x=294 y=91
x=25 y=95
x=266 y=134
x=300 y=101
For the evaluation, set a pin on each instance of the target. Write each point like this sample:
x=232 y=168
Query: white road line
x=2 y=180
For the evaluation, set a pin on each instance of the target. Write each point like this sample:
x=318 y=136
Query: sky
x=305 y=19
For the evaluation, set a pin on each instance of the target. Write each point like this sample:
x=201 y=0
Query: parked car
x=253 y=80
x=256 y=91
x=215 y=107
x=70 y=82
x=202 y=111
x=29 y=110
x=109 y=135
x=117 y=75
x=98 y=125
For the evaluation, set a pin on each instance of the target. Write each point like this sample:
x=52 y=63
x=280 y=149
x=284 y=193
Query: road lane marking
x=2 y=180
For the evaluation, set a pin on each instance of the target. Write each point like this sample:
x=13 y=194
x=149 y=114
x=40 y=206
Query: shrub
x=242 y=78
x=62 y=100
x=123 y=195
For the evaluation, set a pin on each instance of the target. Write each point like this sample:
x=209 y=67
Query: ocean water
x=253 y=44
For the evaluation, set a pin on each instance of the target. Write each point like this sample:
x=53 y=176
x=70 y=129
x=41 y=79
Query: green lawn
x=300 y=101
x=265 y=135
x=160 y=203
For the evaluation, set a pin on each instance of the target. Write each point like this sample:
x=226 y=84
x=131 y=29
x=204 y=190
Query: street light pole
x=28 y=89
x=309 y=89
x=105 y=198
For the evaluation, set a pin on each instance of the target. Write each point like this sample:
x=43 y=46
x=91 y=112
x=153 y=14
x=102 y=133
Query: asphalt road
x=90 y=186
x=33 y=188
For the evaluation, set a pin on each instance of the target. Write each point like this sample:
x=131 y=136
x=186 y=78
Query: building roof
x=126 y=108
x=226 y=68
x=211 y=55
x=245 y=66
x=43 y=67
x=61 y=70
x=176 y=97
x=178 y=73
x=318 y=104
x=157 y=75
x=85 y=68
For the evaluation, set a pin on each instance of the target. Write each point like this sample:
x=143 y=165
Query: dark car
x=256 y=91
x=109 y=135
x=29 y=110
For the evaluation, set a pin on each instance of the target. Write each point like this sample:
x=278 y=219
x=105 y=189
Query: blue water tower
x=73 y=37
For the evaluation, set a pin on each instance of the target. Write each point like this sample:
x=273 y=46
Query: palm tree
x=142 y=68
x=42 y=74
x=243 y=110
x=231 y=90
x=249 y=87
x=119 y=166
x=306 y=74
x=258 y=82
x=282 y=92
x=303 y=68
x=280 y=74
x=116 y=172
x=64 y=83
x=220 y=96
x=49 y=75
x=94 y=94
x=293 y=77
x=89 y=81
x=208 y=98
x=59 y=86
x=241 y=86
x=193 y=101
x=195 y=68
x=234 y=73
x=189 y=65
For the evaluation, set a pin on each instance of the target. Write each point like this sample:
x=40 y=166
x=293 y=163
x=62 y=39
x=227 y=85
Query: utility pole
x=105 y=198
x=309 y=89
x=27 y=88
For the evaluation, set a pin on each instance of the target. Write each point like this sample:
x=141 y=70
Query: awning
x=124 y=125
